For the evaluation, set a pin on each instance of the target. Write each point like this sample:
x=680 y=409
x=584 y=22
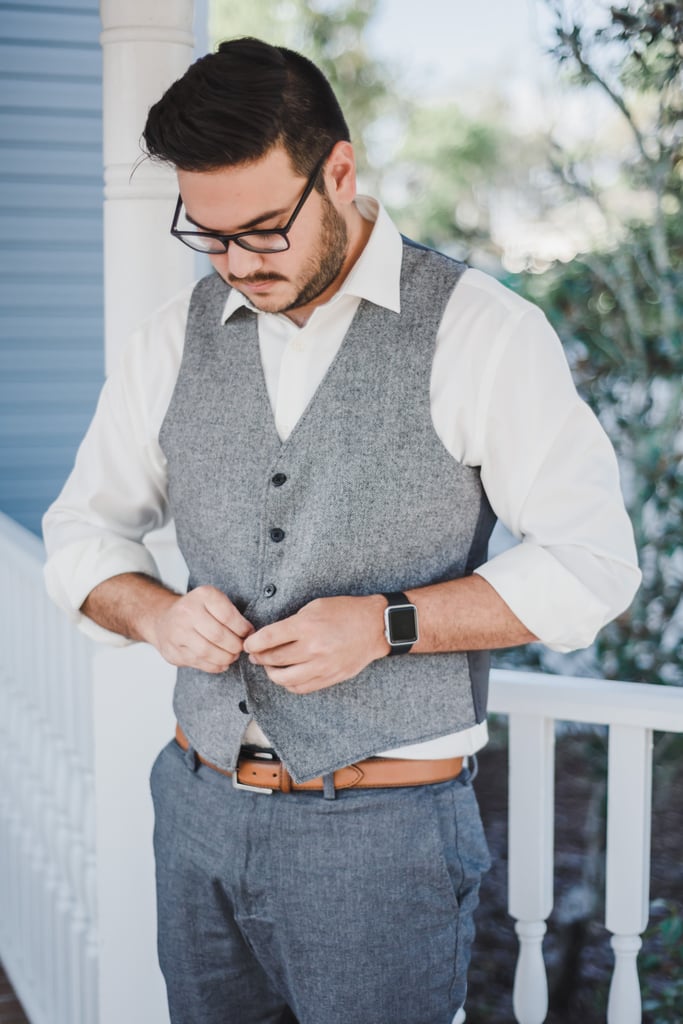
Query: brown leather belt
x=264 y=773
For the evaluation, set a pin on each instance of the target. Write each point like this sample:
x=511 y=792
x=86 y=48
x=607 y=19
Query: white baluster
x=5 y=804
x=81 y=656
x=90 y=948
x=51 y=880
x=62 y=1010
x=530 y=992
x=64 y=893
x=39 y=938
x=628 y=863
x=27 y=880
x=83 y=867
x=32 y=871
x=78 y=918
x=16 y=724
x=624 y=1004
x=530 y=851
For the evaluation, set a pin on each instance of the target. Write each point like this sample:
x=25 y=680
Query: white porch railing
x=79 y=728
x=632 y=712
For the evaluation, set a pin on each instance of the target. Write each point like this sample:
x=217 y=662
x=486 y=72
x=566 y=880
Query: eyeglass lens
x=253 y=241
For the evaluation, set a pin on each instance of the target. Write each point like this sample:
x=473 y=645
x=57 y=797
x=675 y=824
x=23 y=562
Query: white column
x=530 y=851
x=628 y=863
x=146 y=45
x=133 y=721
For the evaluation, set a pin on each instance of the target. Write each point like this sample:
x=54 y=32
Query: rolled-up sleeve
x=548 y=469
x=116 y=493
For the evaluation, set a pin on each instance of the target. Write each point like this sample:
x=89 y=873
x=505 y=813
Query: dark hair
x=232 y=106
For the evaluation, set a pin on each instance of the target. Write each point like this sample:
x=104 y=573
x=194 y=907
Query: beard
x=320 y=269
x=325 y=264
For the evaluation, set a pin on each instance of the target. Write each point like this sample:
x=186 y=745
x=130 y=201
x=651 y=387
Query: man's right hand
x=202 y=629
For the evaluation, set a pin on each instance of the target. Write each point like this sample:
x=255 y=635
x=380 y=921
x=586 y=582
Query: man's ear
x=340 y=173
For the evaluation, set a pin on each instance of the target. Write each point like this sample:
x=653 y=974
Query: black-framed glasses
x=256 y=240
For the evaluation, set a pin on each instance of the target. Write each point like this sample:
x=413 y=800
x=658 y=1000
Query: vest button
x=243 y=707
x=278 y=479
x=269 y=590
x=277 y=534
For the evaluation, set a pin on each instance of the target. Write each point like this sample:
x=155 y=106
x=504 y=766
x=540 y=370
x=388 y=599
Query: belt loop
x=191 y=759
x=329 y=792
x=285 y=780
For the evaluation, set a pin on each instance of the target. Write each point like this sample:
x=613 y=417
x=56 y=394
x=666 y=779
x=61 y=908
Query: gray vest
x=362 y=498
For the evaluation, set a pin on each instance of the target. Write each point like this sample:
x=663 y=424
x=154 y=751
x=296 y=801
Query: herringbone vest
x=362 y=498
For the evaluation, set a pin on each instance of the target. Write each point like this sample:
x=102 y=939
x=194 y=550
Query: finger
x=224 y=611
x=277 y=634
x=280 y=657
x=293 y=676
x=211 y=667
x=199 y=653
x=218 y=635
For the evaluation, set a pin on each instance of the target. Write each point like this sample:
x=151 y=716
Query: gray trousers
x=295 y=908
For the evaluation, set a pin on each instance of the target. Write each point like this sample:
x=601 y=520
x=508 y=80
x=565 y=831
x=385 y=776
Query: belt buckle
x=263 y=755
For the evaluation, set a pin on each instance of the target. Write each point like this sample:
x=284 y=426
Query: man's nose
x=237 y=262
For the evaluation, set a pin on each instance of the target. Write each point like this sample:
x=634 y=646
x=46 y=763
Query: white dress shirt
x=502 y=399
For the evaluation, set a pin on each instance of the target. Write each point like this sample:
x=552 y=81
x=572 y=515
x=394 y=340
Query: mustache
x=254 y=279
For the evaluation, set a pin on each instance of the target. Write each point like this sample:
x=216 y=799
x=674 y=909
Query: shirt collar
x=376 y=274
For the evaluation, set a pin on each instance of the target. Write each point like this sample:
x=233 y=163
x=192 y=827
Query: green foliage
x=661 y=964
x=427 y=162
x=618 y=308
x=330 y=34
x=619 y=311
x=441 y=167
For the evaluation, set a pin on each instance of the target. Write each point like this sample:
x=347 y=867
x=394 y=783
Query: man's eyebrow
x=245 y=227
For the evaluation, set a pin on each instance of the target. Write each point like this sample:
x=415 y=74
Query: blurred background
x=542 y=141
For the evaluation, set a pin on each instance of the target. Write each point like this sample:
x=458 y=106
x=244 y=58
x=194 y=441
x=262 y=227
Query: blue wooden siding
x=51 y=329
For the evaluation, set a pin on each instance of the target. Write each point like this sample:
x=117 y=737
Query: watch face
x=402 y=624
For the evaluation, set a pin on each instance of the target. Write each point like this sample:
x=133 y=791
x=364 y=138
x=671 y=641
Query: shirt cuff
x=73 y=571
x=546 y=597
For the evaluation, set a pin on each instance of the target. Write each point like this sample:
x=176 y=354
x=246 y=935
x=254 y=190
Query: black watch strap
x=395 y=600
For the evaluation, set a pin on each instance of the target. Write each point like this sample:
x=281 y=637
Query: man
x=333 y=419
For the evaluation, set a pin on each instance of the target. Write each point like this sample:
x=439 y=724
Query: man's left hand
x=327 y=641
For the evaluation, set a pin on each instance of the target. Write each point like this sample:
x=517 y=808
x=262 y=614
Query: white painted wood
x=133 y=720
x=530 y=852
x=530 y=987
x=596 y=701
x=146 y=45
x=46 y=806
x=629 y=798
x=624 y=1005
x=531 y=803
x=72 y=751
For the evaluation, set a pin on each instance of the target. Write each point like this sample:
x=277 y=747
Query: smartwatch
x=400 y=623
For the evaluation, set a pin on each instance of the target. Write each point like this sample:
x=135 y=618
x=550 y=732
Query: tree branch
x=573 y=41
